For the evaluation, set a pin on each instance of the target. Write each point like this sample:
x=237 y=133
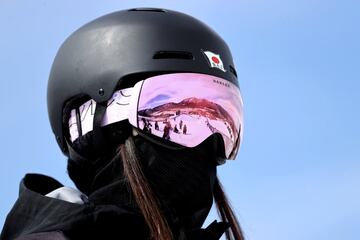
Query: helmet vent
x=146 y=10
x=232 y=69
x=173 y=54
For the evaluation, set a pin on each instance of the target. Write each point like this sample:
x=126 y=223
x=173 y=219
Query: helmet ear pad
x=114 y=135
x=83 y=173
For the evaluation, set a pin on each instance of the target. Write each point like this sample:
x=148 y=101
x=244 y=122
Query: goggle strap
x=98 y=137
x=78 y=121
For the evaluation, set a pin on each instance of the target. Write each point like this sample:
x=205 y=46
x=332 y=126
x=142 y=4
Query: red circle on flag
x=215 y=60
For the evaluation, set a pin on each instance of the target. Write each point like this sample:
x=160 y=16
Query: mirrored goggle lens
x=184 y=108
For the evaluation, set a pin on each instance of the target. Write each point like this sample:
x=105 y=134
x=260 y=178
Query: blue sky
x=297 y=175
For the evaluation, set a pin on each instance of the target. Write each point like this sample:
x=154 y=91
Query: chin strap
x=212 y=232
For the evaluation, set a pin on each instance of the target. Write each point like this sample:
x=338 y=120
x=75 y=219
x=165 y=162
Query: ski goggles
x=182 y=108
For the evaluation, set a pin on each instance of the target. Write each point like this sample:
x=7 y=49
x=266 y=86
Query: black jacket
x=36 y=216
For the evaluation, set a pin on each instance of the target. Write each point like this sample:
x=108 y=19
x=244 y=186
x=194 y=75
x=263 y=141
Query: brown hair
x=144 y=196
x=150 y=206
x=226 y=213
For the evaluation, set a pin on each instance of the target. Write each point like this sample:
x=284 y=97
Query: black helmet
x=126 y=46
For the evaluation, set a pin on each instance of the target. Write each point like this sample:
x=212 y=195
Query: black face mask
x=182 y=179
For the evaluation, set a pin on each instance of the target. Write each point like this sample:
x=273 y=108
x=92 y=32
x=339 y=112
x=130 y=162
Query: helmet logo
x=214 y=60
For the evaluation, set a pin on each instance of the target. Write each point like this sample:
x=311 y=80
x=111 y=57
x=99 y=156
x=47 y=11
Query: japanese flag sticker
x=214 y=60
